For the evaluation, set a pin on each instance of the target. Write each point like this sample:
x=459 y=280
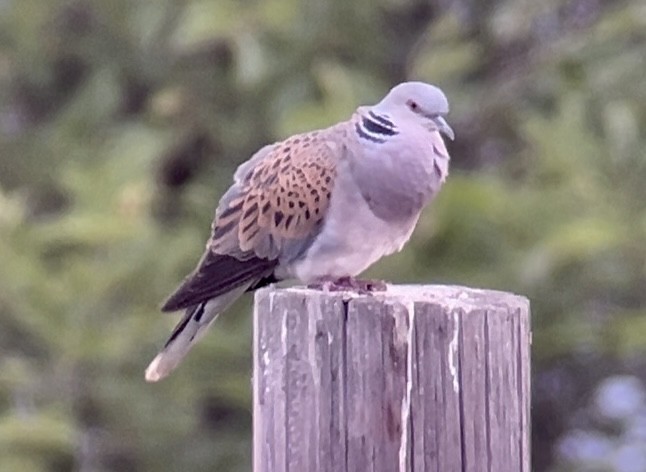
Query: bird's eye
x=412 y=105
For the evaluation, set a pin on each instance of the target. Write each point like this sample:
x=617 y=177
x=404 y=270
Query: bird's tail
x=197 y=320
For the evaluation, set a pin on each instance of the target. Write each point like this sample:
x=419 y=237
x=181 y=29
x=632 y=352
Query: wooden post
x=414 y=379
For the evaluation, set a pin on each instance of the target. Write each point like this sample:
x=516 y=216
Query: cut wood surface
x=414 y=379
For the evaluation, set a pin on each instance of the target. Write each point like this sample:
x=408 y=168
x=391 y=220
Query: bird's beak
x=443 y=127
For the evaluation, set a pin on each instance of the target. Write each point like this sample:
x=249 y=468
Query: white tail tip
x=155 y=371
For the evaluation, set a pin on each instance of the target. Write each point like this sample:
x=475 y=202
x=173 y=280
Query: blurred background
x=122 y=121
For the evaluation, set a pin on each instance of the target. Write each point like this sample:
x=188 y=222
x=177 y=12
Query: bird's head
x=418 y=101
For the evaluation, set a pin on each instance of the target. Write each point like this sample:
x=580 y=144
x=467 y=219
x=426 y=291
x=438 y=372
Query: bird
x=317 y=207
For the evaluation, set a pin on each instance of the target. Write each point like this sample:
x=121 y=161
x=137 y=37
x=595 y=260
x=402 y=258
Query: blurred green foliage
x=121 y=122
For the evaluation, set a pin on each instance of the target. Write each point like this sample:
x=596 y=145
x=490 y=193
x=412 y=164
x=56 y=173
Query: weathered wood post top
x=413 y=379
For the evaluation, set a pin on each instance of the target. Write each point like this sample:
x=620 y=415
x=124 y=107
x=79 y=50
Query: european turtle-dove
x=318 y=206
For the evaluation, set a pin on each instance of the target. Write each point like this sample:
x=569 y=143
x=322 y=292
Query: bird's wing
x=216 y=275
x=273 y=211
x=280 y=199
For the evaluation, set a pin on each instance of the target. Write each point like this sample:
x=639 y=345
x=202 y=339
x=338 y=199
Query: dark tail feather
x=215 y=275
x=270 y=279
x=188 y=331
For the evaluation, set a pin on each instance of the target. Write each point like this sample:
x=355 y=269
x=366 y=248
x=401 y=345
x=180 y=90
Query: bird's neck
x=398 y=168
x=373 y=127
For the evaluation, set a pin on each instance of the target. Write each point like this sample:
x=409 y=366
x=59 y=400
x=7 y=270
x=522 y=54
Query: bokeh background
x=122 y=121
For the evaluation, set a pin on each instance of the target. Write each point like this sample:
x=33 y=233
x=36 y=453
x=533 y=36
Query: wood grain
x=414 y=379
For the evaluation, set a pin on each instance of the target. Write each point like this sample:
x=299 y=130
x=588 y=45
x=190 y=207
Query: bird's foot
x=349 y=283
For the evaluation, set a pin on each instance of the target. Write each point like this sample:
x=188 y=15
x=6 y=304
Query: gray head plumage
x=428 y=98
x=417 y=100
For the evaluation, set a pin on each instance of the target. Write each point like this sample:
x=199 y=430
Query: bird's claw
x=363 y=287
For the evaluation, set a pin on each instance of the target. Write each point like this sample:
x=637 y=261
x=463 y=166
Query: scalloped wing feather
x=280 y=196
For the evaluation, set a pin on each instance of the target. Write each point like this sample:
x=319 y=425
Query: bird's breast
x=399 y=177
x=352 y=237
